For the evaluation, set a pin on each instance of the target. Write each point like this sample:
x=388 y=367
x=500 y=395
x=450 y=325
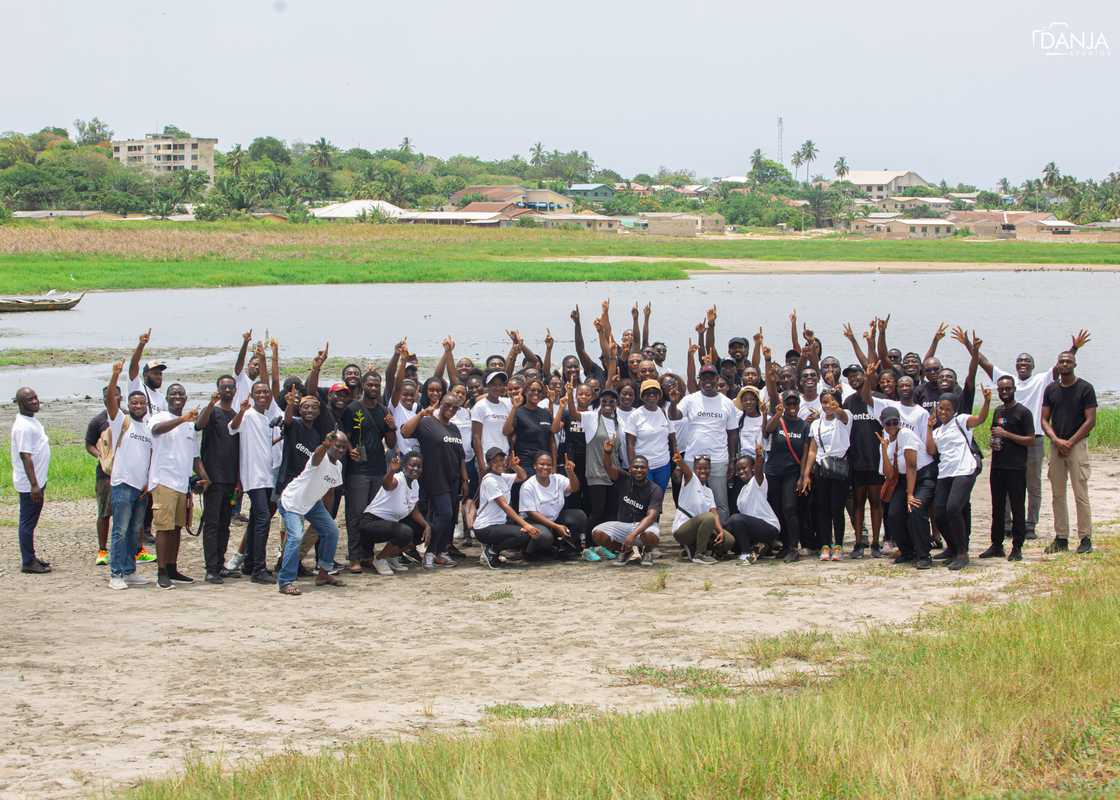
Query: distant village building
x=881 y=183
x=161 y=153
x=932 y=228
x=591 y=192
x=672 y=223
x=591 y=222
x=533 y=199
x=356 y=209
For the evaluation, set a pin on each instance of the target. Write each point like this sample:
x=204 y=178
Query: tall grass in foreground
x=71 y=474
x=974 y=700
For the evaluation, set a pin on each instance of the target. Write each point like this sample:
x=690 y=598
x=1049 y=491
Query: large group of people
x=530 y=458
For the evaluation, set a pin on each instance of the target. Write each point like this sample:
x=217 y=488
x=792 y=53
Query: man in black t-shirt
x=302 y=436
x=1012 y=434
x=220 y=457
x=1069 y=413
x=639 y=506
x=371 y=429
x=444 y=480
x=102 y=488
x=863 y=457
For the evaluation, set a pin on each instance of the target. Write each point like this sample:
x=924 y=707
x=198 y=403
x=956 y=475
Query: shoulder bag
x=834 y=468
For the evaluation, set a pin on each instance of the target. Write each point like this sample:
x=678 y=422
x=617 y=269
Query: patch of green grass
x=1104 y=436
x=505 y=593
x=659 y=582
x=71 y=475
x=1018 y=698
x=53 y=357
x=811 y=646
x=517 y=711
x=699 y=682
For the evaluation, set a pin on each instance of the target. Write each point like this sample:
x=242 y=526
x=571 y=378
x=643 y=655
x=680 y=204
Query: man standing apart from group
x=31 y=459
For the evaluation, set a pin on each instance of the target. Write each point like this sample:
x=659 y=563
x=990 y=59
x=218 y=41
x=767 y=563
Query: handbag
x=834 y=468
x=886 y=491
x=974 y=448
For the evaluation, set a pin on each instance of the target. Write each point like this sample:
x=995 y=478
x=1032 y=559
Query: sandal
x=290 y=588
x=328 y=580
x=355 y=568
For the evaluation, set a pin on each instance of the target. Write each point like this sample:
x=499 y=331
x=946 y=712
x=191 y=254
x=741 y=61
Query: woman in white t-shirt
x=696 y=525
x=829 y=437
x=754 y=524
x=497 y=525
x=541 y=503
x=752 y=416
x=904 y=462
x=649 y=433
x=949 y=435
x=393 y=518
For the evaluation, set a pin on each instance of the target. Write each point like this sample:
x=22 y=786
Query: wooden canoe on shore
x=47 y=302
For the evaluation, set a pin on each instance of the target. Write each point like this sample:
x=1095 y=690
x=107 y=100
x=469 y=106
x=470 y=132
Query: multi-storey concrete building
x=167 y=153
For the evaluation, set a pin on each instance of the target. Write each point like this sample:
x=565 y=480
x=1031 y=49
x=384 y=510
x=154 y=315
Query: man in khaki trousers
x=1069 y=412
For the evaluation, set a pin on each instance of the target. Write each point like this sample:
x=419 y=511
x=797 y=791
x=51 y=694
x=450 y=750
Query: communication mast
x=780 y=139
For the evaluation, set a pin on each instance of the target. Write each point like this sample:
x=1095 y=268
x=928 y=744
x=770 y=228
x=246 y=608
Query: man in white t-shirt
x=301 y=500
x=131 y=451
x=31 y=460
x=488 y=415
x=150 y=380
x=174 y=459
x=254 y=430
x=712 y=424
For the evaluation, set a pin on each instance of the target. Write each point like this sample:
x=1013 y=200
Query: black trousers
x=576 y=522
x=604 y=504
x=256 y=539
x=511 y=537
x=951 y=504
x=829 y=497
x=580 y=499
x=216 y=513
x=910 y=527
x=374 y=530
x=1009 y=487
x=791 y=508
x=749 y=531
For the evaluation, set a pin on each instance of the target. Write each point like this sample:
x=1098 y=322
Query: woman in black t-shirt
x=787 y=470
x=529 y=429
x=568 y=419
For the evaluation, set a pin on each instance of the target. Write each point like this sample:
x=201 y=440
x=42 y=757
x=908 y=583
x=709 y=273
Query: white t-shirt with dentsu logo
x=28 y=436
x=254 y=441
x=308 y=488
x=548 y=501
x=752 y=502
x=707 y=420
x=395 y=504
x=914 y=418
x=954 y=440
x=462 y=421
x=490 y=489
x=401 y=415
x=492 y=416
x=906 y=440
x=695 y=498
x=1029 y=392
x=833 y=436
x=651 y=433
x=173 y=454
x=132 y=460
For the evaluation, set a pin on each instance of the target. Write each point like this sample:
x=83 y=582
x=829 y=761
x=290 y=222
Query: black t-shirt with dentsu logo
x=863 y=452
x=636 y=499
x=780 y=462
x=532 y=431
x=366 y=428
x=1018 y=420
x=442 y=448
x=219 y=452
x=1067 y=405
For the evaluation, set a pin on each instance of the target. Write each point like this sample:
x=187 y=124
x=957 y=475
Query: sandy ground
x=103 y=688
x=748 y=266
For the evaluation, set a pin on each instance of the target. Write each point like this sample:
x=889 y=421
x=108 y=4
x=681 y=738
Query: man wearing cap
x=712 y=430
x=221 y=459
x=903 y=455
x=371 y=429
x=738 y=349
x=152 y=376
x=863 y=457
x=489 y=415
x=729 y=371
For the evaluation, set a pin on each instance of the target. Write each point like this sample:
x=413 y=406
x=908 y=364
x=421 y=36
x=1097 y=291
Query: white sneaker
x=234 y=562
x=381 y=567
x=429 y=561
x=117 y=582
x=136 y=579
x=396 y=565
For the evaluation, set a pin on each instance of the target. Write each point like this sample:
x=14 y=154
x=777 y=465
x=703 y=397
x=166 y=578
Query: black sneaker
x=1057 y=546
x=857 y=552
x=455 y=552
x=36 y=567
x=178 y=577
x=215 y=578
x=412 y=555
x=1032 y=535
x=958 y=563
x=164 y=582
x=791 y=556
x=489 y=558
x=229 y=573
x=923 y=563
x=903 y=559
x=876 y=552
x=993 y=552
x=1086 y=545
x=304 y=572
x=1016 y=554
x=264 y=576
x=944 y=555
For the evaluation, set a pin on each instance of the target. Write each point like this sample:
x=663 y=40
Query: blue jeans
x=324 y=525
x=29 y=512
x=660 y=476
x=129 y=508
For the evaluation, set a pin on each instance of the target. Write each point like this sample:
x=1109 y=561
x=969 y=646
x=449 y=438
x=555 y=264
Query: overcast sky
x=954 y=90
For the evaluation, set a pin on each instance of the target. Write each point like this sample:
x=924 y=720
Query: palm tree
x=322 y=153
x=536 y=155
x=808 y=155
x=1050 y=175
x=756 y=160
x=1005 y=185
x=406 y=145
x=841 y=167
x=797 y=161
x=189 y=184
x=235 y=159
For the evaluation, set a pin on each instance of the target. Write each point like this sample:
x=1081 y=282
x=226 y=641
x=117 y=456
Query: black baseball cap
x=738 y=340
x=890 y=412
x=728 y=362
x=851 y=369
